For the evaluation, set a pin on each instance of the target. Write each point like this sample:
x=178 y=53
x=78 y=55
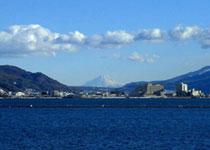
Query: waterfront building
x=20 y=94
x=3 y=93
x=69 y=94
x=116 y=93
x=182 y=89
x=44 y=93
x=196 y=93
x=169 y=93
x=56 y=93
x=31 y=93
x=10 y=93
x=148 y=89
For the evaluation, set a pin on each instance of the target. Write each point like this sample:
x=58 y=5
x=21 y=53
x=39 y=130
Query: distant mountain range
x=199 y=79
x=15 y=79
x=103 y=81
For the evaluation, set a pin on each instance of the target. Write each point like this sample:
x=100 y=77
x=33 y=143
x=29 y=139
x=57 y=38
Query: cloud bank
x=195 y=33
x=137 y=57
x=20 y=40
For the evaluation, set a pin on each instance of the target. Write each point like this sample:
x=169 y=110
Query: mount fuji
x=102 y=81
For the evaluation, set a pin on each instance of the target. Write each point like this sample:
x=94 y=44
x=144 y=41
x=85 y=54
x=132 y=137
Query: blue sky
x=75 y=41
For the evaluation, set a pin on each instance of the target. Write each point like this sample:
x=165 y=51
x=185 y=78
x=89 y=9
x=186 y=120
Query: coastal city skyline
x=74 y=42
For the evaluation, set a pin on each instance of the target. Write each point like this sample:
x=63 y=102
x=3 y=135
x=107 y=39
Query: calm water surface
x=104 y=128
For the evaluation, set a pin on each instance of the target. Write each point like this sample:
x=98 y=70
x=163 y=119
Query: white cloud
x=137 y=57
x=31 y=39
x=72 y=37
x=111 y=39
x=150 y=35
x=28 y=39
x=195 y=33
x=19 y=40
x=185 y=33
x=200 y=35
x=205 y=39
x=152 y=58
x=118 y=37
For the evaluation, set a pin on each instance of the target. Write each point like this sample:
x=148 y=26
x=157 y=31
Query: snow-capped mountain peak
x=103 y=81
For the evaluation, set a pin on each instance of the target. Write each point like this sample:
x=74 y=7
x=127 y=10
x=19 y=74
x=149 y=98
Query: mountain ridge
x=13 y=78
x=199 y=79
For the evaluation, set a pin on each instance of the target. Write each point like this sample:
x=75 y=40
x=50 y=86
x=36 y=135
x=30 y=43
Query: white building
x=196 y=93
x=2 y=92
x=182 y=89
x=20 y=94
x=57 y=93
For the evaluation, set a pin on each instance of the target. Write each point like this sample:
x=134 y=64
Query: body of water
x=105 y=124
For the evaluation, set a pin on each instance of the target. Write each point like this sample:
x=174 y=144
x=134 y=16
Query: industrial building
x=148 y=89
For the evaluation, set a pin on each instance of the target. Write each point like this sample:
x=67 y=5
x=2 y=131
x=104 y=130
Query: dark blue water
x=104 y=128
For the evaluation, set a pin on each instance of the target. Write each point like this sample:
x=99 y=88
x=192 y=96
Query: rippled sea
x=83 y=124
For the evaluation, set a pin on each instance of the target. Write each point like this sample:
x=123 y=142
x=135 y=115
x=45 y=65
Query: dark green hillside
x=15 y=79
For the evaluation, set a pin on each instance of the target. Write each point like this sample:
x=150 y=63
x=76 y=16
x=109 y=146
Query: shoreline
x=97 y=98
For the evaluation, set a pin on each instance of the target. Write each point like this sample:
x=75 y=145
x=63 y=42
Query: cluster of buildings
x=157 y=90
x=147 y=90
x=102 y=94
x=30 y=93
x=183 y=91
